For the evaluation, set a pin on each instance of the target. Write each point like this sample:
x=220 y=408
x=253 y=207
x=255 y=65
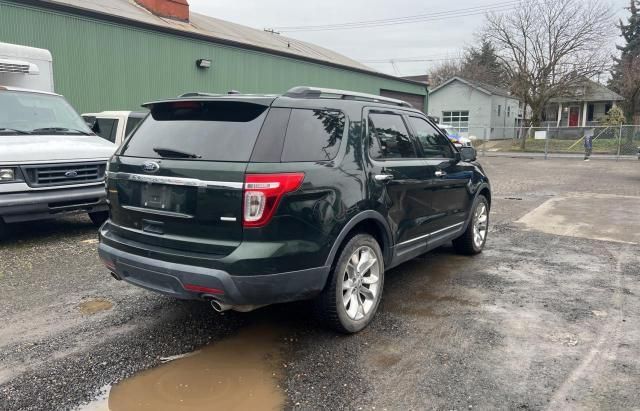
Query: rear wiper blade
x=15 y=130
x=37 y=130
x=169 y=152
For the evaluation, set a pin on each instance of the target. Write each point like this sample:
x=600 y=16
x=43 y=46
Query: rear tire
x=473 y=239
x=354 y=288
x=99 y=217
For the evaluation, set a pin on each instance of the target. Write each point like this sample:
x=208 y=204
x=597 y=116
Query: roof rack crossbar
x=317 y=92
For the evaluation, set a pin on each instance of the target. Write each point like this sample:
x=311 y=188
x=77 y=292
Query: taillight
x=262 y=194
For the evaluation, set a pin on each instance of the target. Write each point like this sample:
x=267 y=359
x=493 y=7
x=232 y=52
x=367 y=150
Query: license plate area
x=164 y=197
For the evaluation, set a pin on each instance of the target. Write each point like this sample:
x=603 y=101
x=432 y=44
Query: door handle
x=440 y=173
x=383 y=177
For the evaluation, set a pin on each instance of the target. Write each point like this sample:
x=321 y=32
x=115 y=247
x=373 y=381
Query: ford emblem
x=151 y=166
x=71 y=174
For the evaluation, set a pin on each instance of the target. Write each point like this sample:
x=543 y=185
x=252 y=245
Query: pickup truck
x=51 y=163
x=114 y=126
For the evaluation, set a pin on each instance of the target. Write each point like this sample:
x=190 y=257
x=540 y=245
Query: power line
x=468 y=11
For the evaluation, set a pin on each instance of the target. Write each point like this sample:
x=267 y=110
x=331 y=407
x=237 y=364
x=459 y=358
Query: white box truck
x=51 y=163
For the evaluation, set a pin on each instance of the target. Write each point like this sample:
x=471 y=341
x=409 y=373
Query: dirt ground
x=548 y=317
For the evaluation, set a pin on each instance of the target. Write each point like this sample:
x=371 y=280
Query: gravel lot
x=538 y=321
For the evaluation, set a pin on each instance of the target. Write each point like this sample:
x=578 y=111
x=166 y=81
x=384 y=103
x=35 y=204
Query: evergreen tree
x=625 y=74
x=482 y=64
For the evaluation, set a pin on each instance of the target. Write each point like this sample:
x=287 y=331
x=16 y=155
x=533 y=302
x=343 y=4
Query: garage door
x=416 y=100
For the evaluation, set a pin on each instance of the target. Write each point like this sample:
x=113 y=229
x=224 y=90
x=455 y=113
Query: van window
x=23 y=112
x=198 y=130
x=313 y=135
x=106 y=128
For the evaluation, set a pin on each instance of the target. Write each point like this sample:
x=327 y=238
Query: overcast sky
x=436 y=39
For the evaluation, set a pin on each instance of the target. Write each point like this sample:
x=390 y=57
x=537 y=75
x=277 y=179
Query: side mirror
x=468 y=154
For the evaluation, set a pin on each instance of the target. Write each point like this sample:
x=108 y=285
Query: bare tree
x=549 y=47
x=444 y=71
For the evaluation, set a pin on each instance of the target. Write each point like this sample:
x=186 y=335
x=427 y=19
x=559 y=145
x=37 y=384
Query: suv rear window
x=198 y=130
x=313 y=135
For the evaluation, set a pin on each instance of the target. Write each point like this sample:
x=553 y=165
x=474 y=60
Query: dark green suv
x=248 y=200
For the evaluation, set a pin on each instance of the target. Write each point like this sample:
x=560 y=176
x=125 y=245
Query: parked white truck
x=51 y=163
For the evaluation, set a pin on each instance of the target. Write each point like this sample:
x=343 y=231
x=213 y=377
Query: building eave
x=65 y=8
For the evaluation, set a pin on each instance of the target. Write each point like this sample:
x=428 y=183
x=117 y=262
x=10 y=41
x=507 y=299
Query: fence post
x=619 y=143
x=546 y=142
x=484 y=145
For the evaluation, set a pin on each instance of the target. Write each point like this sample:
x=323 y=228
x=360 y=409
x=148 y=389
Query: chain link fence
x=619 y=142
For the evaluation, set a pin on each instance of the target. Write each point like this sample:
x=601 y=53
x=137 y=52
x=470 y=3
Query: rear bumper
x=171 y=278
x=38 y=205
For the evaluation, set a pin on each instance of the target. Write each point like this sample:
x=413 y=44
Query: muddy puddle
x=94 y=306
x=238 y=373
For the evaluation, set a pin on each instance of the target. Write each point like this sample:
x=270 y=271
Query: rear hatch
x=177 y=182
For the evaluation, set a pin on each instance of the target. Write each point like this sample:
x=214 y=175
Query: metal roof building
x=116 y=54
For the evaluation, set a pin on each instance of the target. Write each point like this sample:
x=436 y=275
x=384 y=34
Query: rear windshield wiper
x=14 y=130
x=44 y=129
x=169 y=152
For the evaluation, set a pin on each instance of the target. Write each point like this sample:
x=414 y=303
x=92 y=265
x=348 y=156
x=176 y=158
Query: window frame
x=403 y=115
x=413 y=131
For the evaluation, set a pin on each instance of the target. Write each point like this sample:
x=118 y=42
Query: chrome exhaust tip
x=218 y=306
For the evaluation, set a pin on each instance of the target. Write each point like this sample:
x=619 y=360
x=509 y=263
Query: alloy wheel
x=361 y=283
x=480 y=225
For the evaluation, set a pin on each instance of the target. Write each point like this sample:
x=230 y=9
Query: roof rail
x=317 y=92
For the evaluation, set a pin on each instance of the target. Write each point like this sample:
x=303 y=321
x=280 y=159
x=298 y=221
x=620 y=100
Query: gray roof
x=216 y=29
x=589 y=91
x=483 y=87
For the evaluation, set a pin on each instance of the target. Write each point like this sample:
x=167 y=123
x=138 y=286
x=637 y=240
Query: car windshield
x=35 y=113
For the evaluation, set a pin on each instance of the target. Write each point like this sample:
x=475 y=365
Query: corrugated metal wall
x=103 y=66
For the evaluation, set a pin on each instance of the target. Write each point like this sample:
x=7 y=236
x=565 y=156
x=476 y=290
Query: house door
x=574 y=116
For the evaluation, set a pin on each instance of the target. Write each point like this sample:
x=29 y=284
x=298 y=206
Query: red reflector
x=262 y=194
x=200 y=289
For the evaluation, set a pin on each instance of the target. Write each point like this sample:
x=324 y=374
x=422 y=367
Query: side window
x=132 y=122
x=389 y=138
x=313 y=135
x=107 y=128
x=432 y=142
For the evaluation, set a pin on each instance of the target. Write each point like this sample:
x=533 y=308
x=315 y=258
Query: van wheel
x=99 y=217
x=354 y=289
x=472 y=241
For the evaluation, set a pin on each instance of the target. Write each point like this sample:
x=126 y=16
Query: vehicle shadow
x=49 y=230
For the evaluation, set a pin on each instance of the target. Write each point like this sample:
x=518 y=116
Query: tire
x=362 y=305
x=474 y=238
x=99 y=217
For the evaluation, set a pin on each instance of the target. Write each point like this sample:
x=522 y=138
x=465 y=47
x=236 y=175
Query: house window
x=508 y=111
x=499 y=109
x=458 y=120
x=591 y=108
x=607 y=107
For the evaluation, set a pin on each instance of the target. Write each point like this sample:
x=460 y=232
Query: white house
x=585 y=106
x=475 y=109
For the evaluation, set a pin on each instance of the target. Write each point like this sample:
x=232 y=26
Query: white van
x=51 y=163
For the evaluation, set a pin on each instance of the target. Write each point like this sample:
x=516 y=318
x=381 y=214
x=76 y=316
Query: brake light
x=262 y=194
